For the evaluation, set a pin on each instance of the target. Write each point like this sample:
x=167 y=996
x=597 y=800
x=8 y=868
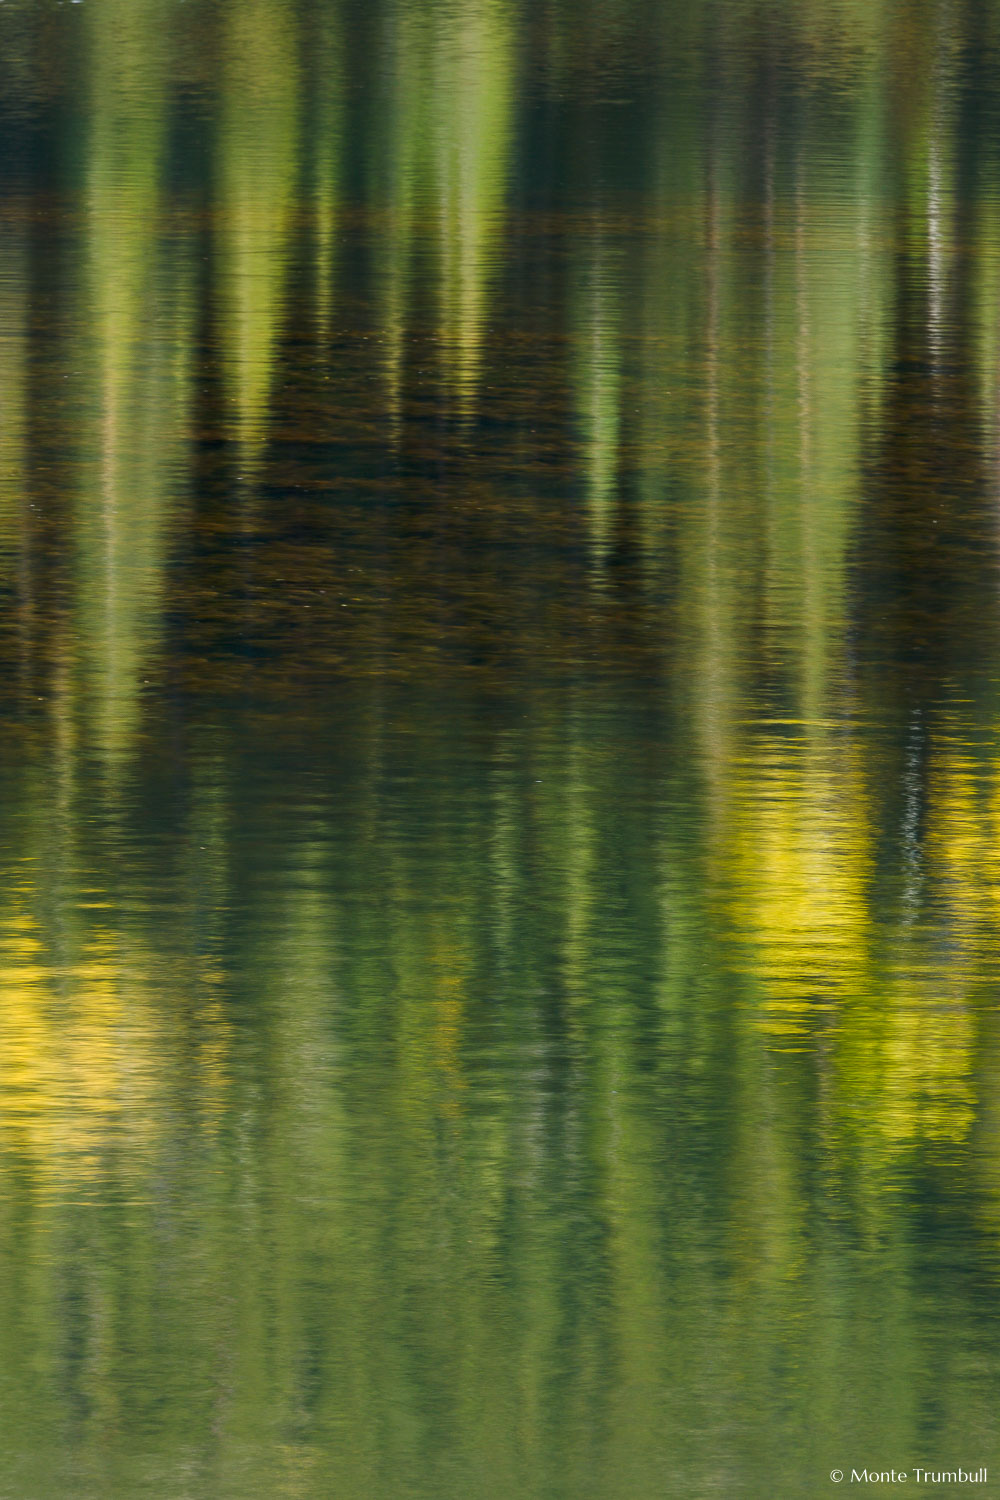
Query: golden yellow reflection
x=85 y=1039
x=800 y=858
x=799 y=872
x=963 y=841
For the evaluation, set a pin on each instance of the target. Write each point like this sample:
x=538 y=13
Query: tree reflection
x=498 y=824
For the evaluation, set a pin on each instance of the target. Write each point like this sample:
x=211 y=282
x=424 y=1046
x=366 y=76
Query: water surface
x=499 y=770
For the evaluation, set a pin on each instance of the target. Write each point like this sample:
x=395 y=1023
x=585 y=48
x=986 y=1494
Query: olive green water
x=499 y=747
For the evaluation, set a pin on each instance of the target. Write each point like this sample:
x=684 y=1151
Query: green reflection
x=325 y=138
x=257 y=167
x=498 y=566
x=134 y=313
x=441 y=177
x=13 y=379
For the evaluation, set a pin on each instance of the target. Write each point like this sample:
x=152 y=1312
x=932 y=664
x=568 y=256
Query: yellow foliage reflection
x=84 y=1095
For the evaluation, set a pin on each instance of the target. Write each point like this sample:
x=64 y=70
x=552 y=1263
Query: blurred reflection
x=441 y=175
x=133 y=354
x=498 y=789
x=13 y=376
x=257 y=164
x=325 y=139
x=472 y=84
x=597 y=367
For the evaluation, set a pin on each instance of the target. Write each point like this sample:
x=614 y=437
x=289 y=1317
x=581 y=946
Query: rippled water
x=499 y=747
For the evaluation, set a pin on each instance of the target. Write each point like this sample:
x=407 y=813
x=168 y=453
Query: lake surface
x=499 y=747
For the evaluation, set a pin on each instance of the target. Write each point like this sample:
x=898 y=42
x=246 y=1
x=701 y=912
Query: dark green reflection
x=499 y=792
